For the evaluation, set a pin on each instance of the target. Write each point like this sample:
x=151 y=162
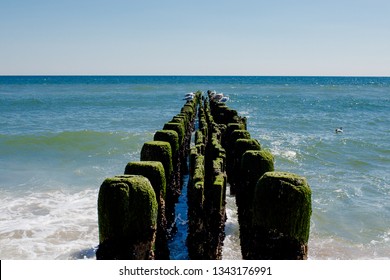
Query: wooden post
x=254 y=164
x=154 y=171
x=127 y=214
x=161 y=151
x=281 y=217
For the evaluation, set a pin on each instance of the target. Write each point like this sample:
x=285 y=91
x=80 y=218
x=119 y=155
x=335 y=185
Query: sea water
x=60 y=137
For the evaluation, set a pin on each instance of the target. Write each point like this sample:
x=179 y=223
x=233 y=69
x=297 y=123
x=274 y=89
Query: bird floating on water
x=339 y=130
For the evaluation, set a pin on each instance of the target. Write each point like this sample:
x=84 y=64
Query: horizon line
x=186 y=75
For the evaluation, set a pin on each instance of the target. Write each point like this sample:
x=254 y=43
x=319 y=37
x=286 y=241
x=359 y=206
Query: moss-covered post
x=169 y=136
x=180 y=129
x=154 y=171
x=197 y=233
x=230 y=152
x=254 y=163
x=229 y=130
x=281 y=217
x=215 y=191
x=172 y=138
x=161 y=151
x=239 y=148
x=127 y=214
x=215 y=217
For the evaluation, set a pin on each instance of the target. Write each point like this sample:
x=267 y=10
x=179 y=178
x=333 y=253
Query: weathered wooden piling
x=154 y=172
x=161 y=151
x=127 y=212
x=281 y=217
x=197 y=230
x=172 y=137
x=178 y=127
x=181 y=129
x=230 y=143
x=254 y=164
x=239 y=147
x=216 y=216
x=230 y=127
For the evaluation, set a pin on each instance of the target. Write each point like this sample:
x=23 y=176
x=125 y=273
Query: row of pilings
x=274 y=207
x=207 y=189
x=136 y=210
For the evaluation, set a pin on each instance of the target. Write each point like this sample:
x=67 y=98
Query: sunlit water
x=60 y=137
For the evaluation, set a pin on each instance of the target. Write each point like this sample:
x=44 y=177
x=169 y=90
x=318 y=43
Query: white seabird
x=217 y=96
x=339 y=130
x=189 y=96
x=224 y=99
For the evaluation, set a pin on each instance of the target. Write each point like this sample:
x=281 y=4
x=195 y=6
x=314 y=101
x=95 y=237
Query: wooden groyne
x=136 y=210
x=207 y=189
x=162 y=164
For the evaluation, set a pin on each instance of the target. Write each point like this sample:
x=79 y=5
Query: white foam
x=289 y=155
x=335 y=247
x=48 y=225
x=231 y=248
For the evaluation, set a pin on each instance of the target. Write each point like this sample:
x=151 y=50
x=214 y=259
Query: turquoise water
x=60 y=137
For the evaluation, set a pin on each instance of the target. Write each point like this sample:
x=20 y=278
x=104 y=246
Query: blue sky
x=214 y=37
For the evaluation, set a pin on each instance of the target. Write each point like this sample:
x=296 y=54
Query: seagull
x=217 y=96
x=339 y=130
x=224 y=99
x=189 y=96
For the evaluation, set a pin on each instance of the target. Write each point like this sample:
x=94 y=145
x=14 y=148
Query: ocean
x=61 y=136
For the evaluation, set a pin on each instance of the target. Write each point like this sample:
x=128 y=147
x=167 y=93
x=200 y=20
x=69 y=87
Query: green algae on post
x=159 y=151
x=153 y=170
x=239 y=134
x=169 y=136
x=215 y=193
x=178 y=127
x=281 y=215
x=254 y=163
x=243 y=145
x=127 y=214
x=283 y=203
